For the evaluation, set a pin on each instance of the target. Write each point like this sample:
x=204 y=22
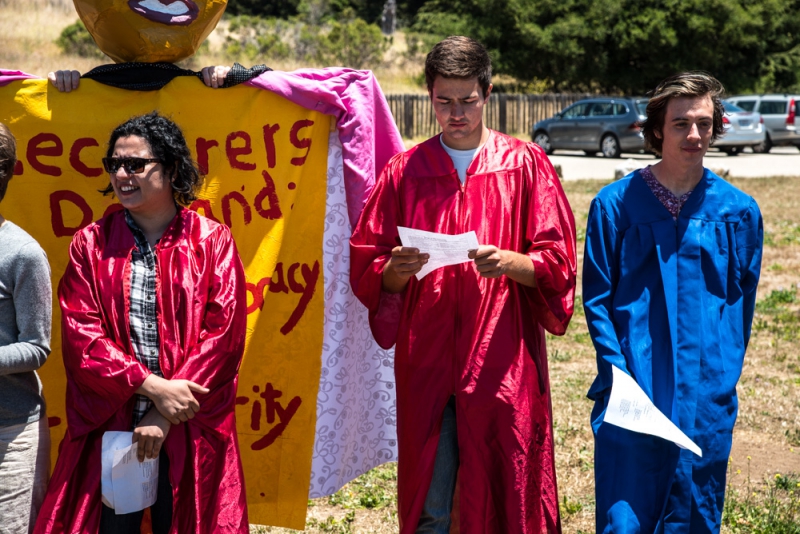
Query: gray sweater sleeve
x=32 y=296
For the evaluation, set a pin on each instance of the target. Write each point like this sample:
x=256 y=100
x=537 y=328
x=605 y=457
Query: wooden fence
x=507 y=113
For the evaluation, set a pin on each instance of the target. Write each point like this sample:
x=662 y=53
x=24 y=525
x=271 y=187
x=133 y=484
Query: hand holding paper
x=629 y=407
x=443 y=249
x=127 y=485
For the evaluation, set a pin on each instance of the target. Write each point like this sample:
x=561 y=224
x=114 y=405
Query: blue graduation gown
x=671 y=303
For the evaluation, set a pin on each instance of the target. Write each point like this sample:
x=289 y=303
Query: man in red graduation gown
x=470 y=361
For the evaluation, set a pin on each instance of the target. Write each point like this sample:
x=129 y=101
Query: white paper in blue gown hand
x=629 y=407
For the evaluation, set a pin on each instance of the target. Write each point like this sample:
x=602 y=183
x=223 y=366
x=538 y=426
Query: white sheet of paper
x=629 y=407
x=127 y=485
x=443 y=249
x=111 y=442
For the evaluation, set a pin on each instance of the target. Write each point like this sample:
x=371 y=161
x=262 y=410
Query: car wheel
x=609 y=146
x=543 y=140
x=590 y=153
x=764 y=146
x=732 y=150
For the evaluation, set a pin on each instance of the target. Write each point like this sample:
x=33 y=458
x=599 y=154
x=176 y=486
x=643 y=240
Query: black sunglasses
x=131 y=165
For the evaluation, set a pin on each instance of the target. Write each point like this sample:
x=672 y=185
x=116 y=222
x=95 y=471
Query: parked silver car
x=607 y=125
x=780 y=113
x=742 y=129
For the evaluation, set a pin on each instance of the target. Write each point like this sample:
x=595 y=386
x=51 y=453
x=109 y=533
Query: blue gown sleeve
x=600 y=271
x=749 y=244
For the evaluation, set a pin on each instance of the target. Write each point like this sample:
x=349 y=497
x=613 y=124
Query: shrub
x=350 y=42
x=75 y=39
x=258 y=38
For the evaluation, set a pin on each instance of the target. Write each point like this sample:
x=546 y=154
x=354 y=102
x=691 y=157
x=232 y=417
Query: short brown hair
x=459 y=57
x=8 y=157
x=686 y=84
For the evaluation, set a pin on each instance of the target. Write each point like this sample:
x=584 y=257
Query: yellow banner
x=266 y=165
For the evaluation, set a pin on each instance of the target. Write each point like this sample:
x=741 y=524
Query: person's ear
x=657 y=133
x=488 y=92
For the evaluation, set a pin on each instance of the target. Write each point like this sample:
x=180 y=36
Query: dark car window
x=600 y=109
x=620 y=109
x=732 y=108
x=747 y=105
x=578 y=110
x=772 y=107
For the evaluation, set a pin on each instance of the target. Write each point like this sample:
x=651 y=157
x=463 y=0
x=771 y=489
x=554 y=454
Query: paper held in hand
x=443 y=249
x=629 y=407
x=127 y=485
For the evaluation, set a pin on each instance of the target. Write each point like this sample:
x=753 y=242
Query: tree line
x=620 y=46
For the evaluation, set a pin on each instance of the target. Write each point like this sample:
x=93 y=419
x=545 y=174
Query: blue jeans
x=435 y=517
x=160 y=512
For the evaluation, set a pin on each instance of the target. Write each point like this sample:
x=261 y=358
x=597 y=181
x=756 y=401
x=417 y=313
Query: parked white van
x=780 y=114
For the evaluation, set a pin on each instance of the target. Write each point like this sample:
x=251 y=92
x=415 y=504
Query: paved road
x=781 y=161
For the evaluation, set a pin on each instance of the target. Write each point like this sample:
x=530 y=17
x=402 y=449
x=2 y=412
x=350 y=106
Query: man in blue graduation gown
x=673 y=255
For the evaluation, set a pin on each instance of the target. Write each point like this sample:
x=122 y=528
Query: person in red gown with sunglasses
x=153 y=329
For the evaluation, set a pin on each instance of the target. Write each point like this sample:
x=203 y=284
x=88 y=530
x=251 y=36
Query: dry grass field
x=764 y=481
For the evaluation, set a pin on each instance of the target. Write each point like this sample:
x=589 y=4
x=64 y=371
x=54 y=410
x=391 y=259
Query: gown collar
x=657 y=211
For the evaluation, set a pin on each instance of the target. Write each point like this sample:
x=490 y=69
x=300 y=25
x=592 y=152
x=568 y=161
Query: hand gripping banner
x=315 y=405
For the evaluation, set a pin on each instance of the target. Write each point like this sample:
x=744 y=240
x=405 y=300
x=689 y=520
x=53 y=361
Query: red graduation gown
x=479 y=339
x=202 y=319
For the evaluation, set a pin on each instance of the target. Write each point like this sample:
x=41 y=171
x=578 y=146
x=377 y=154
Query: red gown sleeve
x=101 y=376
x=550 y=232
x=371 y=246
x=214 y=360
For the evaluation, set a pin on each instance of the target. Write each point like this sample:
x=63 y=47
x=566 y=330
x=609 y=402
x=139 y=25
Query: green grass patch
x=582 y=337
x=793 y=436
x=777 y=315
x=578 y=306
x=560 y=355
x=773 y=508
x=772 y=302
x=569 y=507
x=337 y=526
x=374 y=489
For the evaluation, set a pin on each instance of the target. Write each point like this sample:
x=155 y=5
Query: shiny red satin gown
x=479 y=339
x=202 y=319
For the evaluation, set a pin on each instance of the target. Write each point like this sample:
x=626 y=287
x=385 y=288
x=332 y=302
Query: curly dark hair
x=8 y=158
x=685 y=84
x=459 y=57
x=168 y=145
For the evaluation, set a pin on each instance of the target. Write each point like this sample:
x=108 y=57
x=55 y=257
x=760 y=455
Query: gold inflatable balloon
x=149 y=30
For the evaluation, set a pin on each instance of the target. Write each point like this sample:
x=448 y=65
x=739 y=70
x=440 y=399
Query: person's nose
x=122 y=174
x=694 y=133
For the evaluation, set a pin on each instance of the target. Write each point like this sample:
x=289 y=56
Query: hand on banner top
x=149 y=31
x=214 y=77
x=67 y=81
